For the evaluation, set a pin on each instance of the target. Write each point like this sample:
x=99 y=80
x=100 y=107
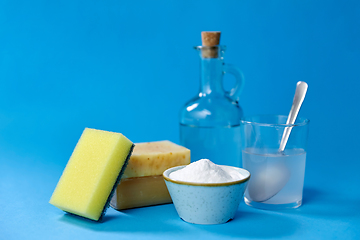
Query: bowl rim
x=167 y=172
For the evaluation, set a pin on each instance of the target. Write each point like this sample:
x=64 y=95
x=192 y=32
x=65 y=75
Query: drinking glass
x=277 y=177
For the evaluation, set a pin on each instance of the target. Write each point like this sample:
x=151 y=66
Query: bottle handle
x=235 y=92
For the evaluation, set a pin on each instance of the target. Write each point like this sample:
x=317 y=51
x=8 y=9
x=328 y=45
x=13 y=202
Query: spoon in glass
x=270 y=179
x=300 y=92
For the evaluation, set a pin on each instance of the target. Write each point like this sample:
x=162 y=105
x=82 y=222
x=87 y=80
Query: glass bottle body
x=210 y=122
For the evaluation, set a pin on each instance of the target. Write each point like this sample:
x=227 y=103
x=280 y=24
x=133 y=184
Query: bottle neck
x=211 y=73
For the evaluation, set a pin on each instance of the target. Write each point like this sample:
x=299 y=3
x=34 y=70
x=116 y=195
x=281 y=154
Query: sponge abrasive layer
x=92 y=173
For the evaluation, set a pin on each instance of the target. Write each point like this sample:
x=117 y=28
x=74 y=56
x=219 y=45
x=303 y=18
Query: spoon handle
x=300 y=92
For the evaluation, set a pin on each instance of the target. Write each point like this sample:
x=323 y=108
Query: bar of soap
x=92 y=173
x=142 y=183
x=153 y=158
x=140 y=192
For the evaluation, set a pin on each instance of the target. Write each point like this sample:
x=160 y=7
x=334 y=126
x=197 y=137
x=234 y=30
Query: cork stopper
x=209 y=41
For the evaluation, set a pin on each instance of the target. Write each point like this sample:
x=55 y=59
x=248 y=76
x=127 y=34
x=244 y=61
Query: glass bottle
x=209 y=123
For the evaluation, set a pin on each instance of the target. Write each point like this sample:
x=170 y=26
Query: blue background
x=129 y=66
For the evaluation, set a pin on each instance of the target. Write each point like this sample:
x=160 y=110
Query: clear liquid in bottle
x=210 y=122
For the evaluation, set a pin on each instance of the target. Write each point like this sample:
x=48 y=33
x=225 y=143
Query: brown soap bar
x=142 y=183
x=153 y=158
x=140 y=192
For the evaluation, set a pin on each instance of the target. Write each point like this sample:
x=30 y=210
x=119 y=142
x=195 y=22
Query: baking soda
x=205 y=171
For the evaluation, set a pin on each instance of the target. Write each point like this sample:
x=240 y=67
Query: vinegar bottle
x=210 y=122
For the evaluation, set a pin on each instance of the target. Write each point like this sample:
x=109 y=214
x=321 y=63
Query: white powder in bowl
x=205 y=171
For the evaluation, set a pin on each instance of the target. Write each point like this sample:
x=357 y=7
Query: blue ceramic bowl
x=206 y=203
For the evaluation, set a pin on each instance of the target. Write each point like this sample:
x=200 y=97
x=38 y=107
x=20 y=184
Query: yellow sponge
x=92 y=173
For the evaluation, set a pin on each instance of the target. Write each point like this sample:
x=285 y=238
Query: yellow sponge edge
x=92 y=173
